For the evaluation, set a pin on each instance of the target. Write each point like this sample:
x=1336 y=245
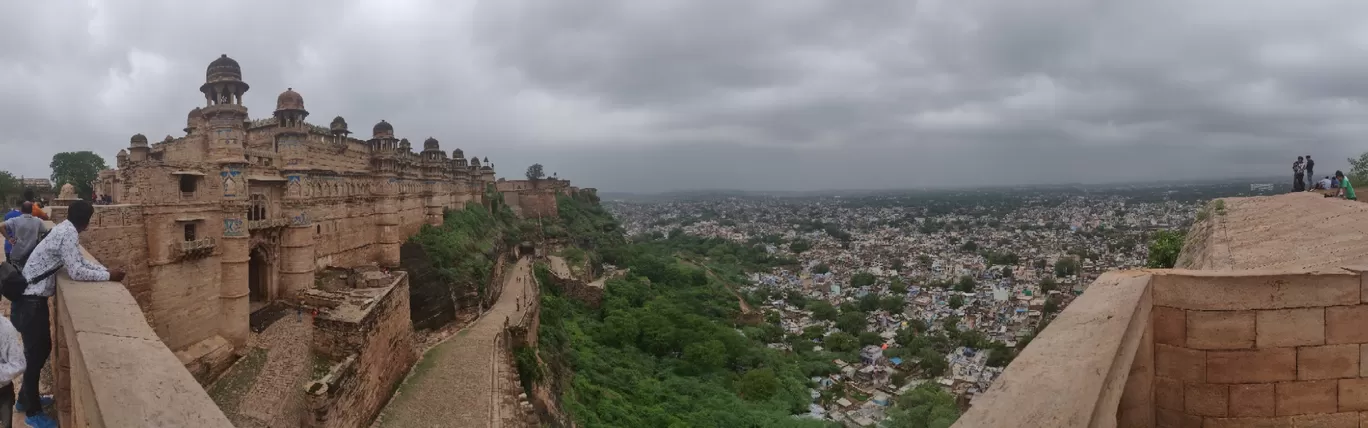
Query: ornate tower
x=223 y=117
x=385 y=163
x=290 y=129
x=296 y=241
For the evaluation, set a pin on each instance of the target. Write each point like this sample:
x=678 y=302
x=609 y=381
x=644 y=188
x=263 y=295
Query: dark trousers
x=7 y=406
x=1297 y=183
x=31 y=319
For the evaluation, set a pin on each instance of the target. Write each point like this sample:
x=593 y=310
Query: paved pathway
x=275 y=397
x=454 y=384
x=559 y=267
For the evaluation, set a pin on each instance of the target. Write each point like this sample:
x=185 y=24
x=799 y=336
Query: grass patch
x=227 y=393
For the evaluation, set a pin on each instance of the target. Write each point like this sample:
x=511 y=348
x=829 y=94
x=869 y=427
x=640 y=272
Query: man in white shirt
x=60 y=249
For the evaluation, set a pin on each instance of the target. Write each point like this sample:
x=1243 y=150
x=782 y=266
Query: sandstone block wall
x=382 y=343
x=117 y=239
x=1255 y=349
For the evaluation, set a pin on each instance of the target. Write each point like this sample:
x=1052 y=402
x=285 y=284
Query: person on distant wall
x=61 y=248
x=22 y=233
x=37 y=207
x=1346 y=189
x=1310 y=169
x=1298 y=169
x=15 y=212
x=11 y=365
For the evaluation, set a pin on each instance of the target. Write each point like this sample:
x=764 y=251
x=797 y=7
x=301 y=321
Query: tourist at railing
x=22 y=234
x=61 y=248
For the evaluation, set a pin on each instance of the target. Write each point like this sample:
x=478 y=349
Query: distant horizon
x=1251 y=179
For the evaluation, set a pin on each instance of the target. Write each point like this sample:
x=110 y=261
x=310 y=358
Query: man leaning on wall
x=61 y=248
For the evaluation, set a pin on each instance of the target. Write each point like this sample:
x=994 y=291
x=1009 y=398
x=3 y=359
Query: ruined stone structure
x=1265 y=324
x=238 y=212
x=534 y=198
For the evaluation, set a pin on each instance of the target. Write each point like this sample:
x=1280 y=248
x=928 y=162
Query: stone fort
x=240 y=212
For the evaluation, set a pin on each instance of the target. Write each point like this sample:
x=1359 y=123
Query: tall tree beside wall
x=535 y=172
x=10 y=187
x=78 y=169
x=1358 y=169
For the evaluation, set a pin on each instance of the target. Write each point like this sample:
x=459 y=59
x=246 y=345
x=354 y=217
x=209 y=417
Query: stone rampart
x=1180 y=348
x=111 y=368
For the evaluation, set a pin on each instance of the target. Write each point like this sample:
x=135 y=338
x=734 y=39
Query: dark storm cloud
x=652 y=95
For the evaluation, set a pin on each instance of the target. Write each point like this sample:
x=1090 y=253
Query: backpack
x=13 y=283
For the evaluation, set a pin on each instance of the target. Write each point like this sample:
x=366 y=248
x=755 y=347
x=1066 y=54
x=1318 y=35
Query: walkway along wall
x=1181 y=348
x=112 y=370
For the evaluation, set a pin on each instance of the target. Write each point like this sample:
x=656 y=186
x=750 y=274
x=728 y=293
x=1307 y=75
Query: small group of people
x=1304 y=179
x=39 y=252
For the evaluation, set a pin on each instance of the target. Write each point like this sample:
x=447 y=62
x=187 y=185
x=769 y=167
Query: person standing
x=61 y=248
x=1310 y=169
x=11 y=365
x=16 y=212
x=37 y=208
x=1298 y=169
x=22 y=233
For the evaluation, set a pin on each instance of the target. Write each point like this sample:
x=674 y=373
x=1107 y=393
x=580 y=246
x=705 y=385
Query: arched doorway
x=258 y=280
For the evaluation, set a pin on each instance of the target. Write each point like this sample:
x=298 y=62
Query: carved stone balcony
x=195 y=248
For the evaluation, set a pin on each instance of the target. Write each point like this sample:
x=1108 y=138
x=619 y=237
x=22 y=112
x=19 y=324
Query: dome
x=223 y=68
x=474 y=161
x=457 y=153
x=138 y=140
x=289 y=100
x=381 y=127
x=338 y=124
x=431 y=144
x=404 y=144
x=194 y=114
x=122 y=153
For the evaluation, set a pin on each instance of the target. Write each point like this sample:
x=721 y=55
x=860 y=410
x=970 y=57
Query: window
x=189 y=231
x=188 y=183
x=257 y=208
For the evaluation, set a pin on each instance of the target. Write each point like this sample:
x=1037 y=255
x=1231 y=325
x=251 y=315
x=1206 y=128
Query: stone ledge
x=1242 y=290
x=1092 y=334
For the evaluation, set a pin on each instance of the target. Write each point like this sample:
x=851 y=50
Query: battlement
x=1241 y=346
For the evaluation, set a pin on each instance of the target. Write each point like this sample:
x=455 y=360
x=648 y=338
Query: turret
x=225 y=115
x=137 y=148
x=290 y=112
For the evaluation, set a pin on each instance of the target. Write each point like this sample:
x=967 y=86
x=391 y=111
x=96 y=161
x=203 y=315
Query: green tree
x=1066 y=266
x=862 y=279
x=969 y=247
x=926 y=406
x=822 y=310
x=1048 y=284
x=932 y=363
x=956 y=302
x=799 y=246
x=821 y=269
x=851 y=322
x=10 y=188
x=1358 y=169
x=706 y=356
x=966 y=284
x=1164 y=247
x=1051 y=306
x=892 y=304
x=535 y=172
x=898 y=286
x=924 y=260
x=758 y=384
x=999 y=355
x=814 y=332
x=869 y=302
x=870 y=338
x=78 y=169
x=840 y=342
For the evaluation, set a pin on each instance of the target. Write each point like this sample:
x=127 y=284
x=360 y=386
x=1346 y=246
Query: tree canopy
x=535 y=172
x=79 y=169
x=1164 y=247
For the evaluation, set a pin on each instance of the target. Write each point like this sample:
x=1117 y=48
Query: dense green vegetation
x=1164 y=247
x=463 y=249
x=663 y=349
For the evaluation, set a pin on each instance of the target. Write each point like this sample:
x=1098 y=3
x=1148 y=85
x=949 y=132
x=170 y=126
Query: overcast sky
x=653 y=95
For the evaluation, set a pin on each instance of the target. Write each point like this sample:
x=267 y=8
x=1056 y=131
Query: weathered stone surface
x=1206 y=399
x=1170 y=326
x=1251 y=400
x=1291 y=327
x=1187 y=365
x=1353 y=395
x=1168 y=393
x=1243 y=290
x=1327 y=362
x=1252 y=366
x=1346 y=324
x=1307 y=397
x=1220 y=329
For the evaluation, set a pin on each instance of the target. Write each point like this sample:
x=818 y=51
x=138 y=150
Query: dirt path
x=559 y=267
x=455 y=384
x=745 y=307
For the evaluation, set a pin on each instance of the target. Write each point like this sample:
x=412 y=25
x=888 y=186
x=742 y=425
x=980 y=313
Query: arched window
x=256 y=209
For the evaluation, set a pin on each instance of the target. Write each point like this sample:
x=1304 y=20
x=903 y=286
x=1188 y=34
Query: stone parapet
x=1179 y=348
x=112 y=370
